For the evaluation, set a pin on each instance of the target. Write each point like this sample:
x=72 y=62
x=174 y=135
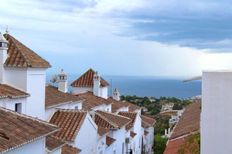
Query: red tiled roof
x=174 y=145
x=132 y=134
x=188 y=125
x=68 y=149
x=110 y=120
x=189 y=121
x=86 y=80
x=145 y=132
x=52 y=143
x=132 y=116
x=102 y=131
x=116 y=104
x=109 y=140
x=22 y=56
x=69 y=122
x=17 y=130
x=55 y=97
x=147 y=121
x=91 y=100
x=132 y=107
x=7 y=91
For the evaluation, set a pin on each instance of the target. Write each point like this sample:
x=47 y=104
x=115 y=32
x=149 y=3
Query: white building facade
x=216 y=112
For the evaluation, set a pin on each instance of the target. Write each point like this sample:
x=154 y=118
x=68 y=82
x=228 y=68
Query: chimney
x=3 y=56
x=62 y=82
x=96 y=84
x=116 y=95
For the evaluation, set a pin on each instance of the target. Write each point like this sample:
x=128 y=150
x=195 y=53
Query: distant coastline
x=150 y=86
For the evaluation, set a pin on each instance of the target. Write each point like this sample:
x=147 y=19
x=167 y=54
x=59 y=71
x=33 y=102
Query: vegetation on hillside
x=159 y=144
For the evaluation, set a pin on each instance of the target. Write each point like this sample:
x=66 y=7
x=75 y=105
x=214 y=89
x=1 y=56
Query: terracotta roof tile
x=132 y=107
x=132 y=116
x=91 y=101
x=146 y=132
x=132 y=134
x=69 y=122
x=102 y=131
x=22 y=56
x=68 y=149
x=174 y=145
x=7 y=91
x=17 y=129
x=110 y=120
x=189 y=121
x=55 y=97
x=109 y=140
x=52 y=143
x=147 y=121
x=86 y=80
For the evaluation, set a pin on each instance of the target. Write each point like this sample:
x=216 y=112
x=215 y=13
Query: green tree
x=159 y=144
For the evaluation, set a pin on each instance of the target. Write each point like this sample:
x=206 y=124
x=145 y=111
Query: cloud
x=121 y=37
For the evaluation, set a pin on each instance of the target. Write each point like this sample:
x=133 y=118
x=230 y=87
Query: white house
x=91 y=81
x=216 y=112
x=118 y=106
x=94 y=103
x=148 y=133
x=135 y=131
x=76 y=128
x=115 y=126
x=22 y=68
x=13 y=99
x=21 y=134
x=56 y=100
x=167 y=107
x=23 y=90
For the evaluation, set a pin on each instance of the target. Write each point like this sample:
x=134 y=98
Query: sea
x=150 y=86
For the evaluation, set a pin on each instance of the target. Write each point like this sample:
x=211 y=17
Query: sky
x=175 y=38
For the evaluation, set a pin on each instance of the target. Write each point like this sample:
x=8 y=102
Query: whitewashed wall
x=79 y=90
x=110 y=149
x=86 y=139
x=149 y=140
x=138 y=130
x=104 y=92
x=71 y=105
x=122 y=109
x=10 y=103
x=32 y=81
x=101 y=144
x=120 y=136
x=17 y=77
x=216 y=115
x=36 y=147
x=102 y=107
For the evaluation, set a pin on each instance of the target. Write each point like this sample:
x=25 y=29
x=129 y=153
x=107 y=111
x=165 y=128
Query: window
x=18 y=107
x=114 y=151
x=1 y=44
x=76 y=107
x=123 y=148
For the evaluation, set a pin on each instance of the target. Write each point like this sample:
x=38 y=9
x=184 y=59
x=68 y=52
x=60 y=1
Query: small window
x=76 y=107
x=1 y=44
x=18 y=107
